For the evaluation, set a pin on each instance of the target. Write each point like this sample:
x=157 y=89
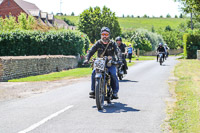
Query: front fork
x=106 y=82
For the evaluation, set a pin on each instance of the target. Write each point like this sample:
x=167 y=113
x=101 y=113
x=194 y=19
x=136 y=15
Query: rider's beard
x=105 y=40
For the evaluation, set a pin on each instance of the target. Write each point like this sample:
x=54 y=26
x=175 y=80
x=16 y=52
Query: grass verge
x=72 y=73
x=185 y=115
x=142 y=58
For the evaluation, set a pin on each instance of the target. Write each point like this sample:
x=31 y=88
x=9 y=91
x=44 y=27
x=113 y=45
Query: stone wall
x=171 y=52
x=198 y=55
x=12 y=67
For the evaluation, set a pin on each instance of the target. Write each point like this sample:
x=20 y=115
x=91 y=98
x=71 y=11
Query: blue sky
x=120 y=7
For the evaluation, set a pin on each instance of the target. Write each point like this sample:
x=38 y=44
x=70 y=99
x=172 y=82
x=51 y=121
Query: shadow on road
x=165 y=65
x=126 y=80
x=117 y=107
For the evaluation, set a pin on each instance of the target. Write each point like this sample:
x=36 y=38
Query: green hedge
x=191 y=45
x=62 y=42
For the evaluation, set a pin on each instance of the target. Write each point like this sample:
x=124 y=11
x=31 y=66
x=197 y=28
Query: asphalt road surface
x=68 y=109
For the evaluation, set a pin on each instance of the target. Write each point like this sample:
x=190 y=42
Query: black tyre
x=109 y=95
x=160 y=61
x=120 y=77
x=99 y=93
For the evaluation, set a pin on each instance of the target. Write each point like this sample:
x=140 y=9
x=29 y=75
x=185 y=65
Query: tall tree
x=93 y=19
x=168 y=16
x=191 y=6
x=72 y=14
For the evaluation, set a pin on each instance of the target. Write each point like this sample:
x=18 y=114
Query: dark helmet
x=119 y=39
x=160 y=44
x=105 y=29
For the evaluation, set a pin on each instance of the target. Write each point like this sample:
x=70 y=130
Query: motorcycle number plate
x=99 y=64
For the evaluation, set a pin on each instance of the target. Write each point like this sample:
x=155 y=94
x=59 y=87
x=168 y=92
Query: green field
x=135 y=23
x=147 y=23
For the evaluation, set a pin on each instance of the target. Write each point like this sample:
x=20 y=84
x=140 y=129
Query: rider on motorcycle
x=122 y=48
x=166 y=50
x=161 y=49
x=111 y=52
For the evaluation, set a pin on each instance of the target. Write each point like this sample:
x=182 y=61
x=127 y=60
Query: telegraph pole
x=60 y=6
x=191 y=22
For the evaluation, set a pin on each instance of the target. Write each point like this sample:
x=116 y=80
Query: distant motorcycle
x=166 y=56
x=120 y=67
x=120 y=71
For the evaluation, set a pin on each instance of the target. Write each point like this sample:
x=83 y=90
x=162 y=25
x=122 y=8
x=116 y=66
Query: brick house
x=15 y=7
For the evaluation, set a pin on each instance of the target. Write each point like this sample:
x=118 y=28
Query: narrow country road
x=139 y=109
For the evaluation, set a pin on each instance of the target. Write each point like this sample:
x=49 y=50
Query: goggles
x=105 y=34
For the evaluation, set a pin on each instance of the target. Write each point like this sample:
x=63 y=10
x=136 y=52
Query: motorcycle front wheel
x=160 y=61
x=99 y=93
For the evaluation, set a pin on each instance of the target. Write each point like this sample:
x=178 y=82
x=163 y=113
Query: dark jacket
x=122 y=47
x=160 y=49
x=100 y=47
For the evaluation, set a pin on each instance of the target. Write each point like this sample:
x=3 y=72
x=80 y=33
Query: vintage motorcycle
x=120 y=66
x=120 y=71
x=103 y=90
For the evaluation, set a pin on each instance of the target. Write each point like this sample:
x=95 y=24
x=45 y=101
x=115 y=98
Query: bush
x=69 y=22
x=154 y=38
x=191 y=44
x=140 y=41
x=24 y=42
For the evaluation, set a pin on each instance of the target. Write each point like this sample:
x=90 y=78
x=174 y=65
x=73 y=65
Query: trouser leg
x=157 y=57
x=163 y=57
x=114 y=79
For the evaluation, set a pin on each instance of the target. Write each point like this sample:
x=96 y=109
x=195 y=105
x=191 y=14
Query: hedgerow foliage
x=25 y=42
x=191 y=44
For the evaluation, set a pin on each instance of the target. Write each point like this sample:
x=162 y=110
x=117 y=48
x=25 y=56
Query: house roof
x=61 y=23
x=26 y=6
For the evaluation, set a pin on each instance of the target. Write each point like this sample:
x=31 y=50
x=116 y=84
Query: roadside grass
x=142 y=58
x=72 y=73
x=68 y=74
x=185 y=115
x=130 y=64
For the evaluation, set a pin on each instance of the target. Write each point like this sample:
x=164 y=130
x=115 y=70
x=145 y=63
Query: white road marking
x=45 y=120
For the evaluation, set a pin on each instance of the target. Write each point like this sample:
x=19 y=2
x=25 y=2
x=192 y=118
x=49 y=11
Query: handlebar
x=112 y=62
